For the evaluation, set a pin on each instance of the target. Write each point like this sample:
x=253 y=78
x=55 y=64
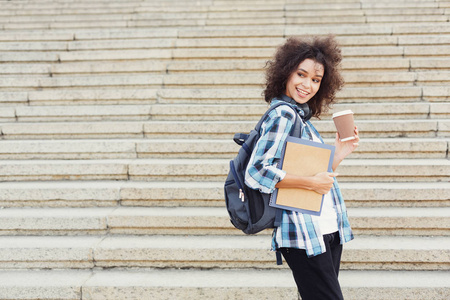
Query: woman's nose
x=306 y=83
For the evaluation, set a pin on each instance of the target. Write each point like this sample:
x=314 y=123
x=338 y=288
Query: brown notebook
x=303 y=158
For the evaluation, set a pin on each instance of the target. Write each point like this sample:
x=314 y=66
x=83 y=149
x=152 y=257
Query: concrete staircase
x=117 y=119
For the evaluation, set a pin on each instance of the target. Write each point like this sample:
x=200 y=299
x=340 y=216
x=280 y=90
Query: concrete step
x=171 y=42
x=205 y=148
x=350 y=64
x=86 y=113
x=207 y=194
x=210 y=10
x=142 y=95
x=352 y=79
x=363 y=30
x=160 y=43
x=190 y=5
x=228 y=65
x=71 y=149
x=389 y=11
x=420 y=51
x=209 y=129
x=120 y=81
x=407 y=19
x=351 y=170
x=292 y=30
x=57 y=221
x=31 y=57
x=347 y=95
x=418 y=29
x=206 y=80
x=210 y=112
x=204 y=284
x=106 y=129
x=145 y=66
x=399 y=4
x=206 y=65
x=210 y=19
x=400 y=221
x=61 y=194
x=370 y=148
x=148 y=21
x=392 y=221
x=200 y=221
x=217 y=11
x=26 y=69
x=364 y=253
x=80 y=97
x=432 y=64
x=225 y=129
x=141 y=51
x=37 y=35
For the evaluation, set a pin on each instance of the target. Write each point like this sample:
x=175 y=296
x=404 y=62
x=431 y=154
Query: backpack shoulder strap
x=296 y=130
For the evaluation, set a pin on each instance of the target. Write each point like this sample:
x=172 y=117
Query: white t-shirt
x=328 y=217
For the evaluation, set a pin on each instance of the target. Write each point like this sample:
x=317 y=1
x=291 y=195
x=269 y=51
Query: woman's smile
x=302 y=93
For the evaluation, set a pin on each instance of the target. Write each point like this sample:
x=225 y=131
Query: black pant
x=317 y=276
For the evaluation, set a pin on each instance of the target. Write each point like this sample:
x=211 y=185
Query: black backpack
x=249 y=209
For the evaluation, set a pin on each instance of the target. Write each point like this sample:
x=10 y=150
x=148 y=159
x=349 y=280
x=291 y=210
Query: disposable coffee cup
x=345 y=125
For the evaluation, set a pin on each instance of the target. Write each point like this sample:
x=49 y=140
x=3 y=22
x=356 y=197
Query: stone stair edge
x=198 y=112
x=366 y=29
x=219 y=11
x=224 y=141
x=243 y=123
x=122 y=96
x=170 y=42
x=210 y=129
x=175 y=161
x=217 y=185
x=171 y=169
x=224 y=66
x=365 y=252
x=200 y=194
x=221 y=53
x=248 y=92
x=27 y=15
x=216 y=242
x=133 y=21
x=397 y=221
x=205 y=81
x=203 y=284
x=201 y=211
x=206 y=148
x=204 y=10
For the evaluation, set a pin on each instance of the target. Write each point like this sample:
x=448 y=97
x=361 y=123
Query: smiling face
x=304 y=82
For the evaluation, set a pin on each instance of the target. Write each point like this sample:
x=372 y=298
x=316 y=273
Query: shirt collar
x=302 y=109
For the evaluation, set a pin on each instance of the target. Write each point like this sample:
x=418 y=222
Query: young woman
x=304 y=73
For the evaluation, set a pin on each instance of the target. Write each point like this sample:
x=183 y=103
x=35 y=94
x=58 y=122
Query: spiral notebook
x=303 y=158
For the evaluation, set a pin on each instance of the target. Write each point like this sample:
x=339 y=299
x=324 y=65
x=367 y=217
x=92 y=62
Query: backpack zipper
x=236 y=179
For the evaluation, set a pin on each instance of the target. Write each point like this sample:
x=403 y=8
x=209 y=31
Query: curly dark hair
x=323 y=50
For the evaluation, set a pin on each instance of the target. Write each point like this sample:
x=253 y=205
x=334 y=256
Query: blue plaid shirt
x=297 y=230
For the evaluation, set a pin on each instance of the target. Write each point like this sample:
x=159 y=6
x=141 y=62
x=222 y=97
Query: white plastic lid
x=341 y=113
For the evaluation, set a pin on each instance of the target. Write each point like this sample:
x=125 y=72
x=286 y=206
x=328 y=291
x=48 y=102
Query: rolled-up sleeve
x=262 y=171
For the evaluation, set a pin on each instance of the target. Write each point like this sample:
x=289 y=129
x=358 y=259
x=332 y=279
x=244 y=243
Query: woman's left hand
x=343 y=149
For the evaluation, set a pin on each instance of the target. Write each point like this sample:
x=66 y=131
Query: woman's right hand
x=320 y=183
x=323 y=182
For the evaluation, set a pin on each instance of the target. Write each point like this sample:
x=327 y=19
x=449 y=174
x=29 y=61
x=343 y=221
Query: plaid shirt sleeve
x=262 y=171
